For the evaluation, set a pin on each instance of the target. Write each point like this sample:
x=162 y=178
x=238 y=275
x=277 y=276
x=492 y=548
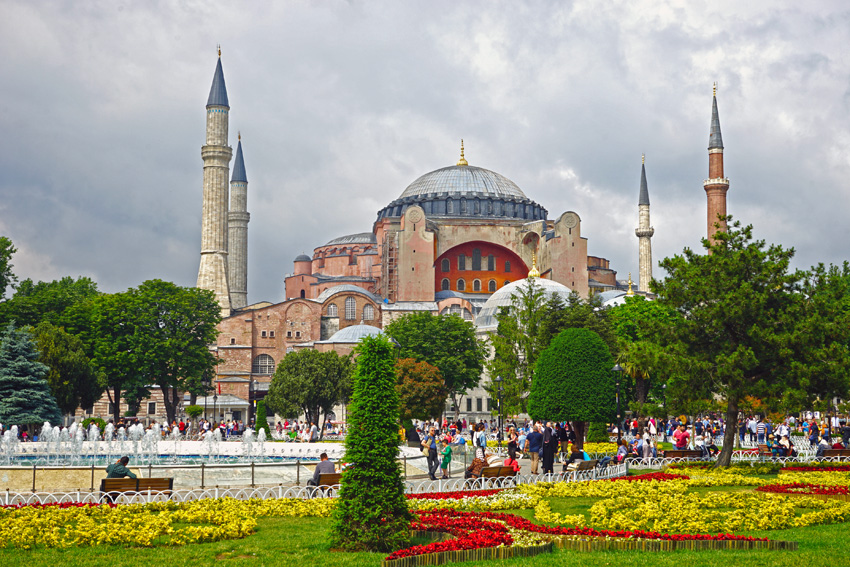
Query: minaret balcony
x=644 y=232
x=716 y=181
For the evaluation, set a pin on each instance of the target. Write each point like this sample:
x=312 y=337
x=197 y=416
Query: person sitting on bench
x=324 y=467
x=478 y=463
x=119 y=469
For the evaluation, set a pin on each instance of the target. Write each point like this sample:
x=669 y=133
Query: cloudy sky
x=342 y=104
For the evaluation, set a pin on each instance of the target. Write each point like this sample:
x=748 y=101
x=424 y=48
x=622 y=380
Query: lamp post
x=215 y=411
x=206 y=382
x=618 y=372
x=499 y=434
x=664 y=401
x=250 y=400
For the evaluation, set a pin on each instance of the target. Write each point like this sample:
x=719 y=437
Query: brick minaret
x=216 y=154
x=237 y=238
x=716 y=185
x=644 y=231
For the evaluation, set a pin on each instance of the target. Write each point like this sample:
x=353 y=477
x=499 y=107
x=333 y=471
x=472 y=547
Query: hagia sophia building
x=457 y=240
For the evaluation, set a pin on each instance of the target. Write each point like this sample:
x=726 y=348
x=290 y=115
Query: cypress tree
x=262 y=420
x=25 y=397
x=371 y=513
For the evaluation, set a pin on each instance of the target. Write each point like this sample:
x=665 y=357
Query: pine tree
x=25 y=397
x=371 y=513
x=262 y=419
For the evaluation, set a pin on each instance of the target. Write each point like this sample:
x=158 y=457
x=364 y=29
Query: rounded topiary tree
x=262 y=419
x=573 y=381
x=597 y=433
x=371 y=513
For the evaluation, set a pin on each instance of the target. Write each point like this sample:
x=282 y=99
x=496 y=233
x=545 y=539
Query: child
x=447 y=457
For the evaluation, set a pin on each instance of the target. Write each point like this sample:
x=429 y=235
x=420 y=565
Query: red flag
x=219 y=388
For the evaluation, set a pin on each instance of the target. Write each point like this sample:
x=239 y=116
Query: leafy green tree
x=517 y=343
x=194 y=411
x=371 y=513
x=637 y=354
x=7 y=276
x=262 y=419
x=445 y=341
x=174 y=327
x=740 y=320
x=310 y=382
x=25 y=397
x=527 y=327
x=47 y=301
x=421 y=390
x=597 y=433
x=573 y=381
x=71 y=376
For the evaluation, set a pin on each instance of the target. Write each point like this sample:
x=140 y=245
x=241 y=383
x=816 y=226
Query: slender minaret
x=644 y=232
x=237 y=237
x=216 y=154
x=716 y=185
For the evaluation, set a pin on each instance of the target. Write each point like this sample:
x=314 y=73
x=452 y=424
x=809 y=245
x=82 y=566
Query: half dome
x=353 y=334
x=486 y=319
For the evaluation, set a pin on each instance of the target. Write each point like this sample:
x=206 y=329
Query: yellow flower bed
x=605 y=448
x=543 y=513
x=144 y=524
x=504 y=500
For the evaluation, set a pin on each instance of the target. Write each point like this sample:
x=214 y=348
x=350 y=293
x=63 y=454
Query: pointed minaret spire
x=218 y=90
x=462 y=160
x=237 y=232
x=644 y=231
x=717 y=184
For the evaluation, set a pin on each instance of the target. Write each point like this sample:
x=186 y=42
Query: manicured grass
x=303 y=542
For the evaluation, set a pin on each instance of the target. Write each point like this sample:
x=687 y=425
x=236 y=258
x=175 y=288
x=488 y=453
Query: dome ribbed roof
x=303 y=258
x=504 y=298
x=463 y=179
x=353 y=334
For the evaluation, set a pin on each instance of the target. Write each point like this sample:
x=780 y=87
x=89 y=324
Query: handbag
x=426 y=445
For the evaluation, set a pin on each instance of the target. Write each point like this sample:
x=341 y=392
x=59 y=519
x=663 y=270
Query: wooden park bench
x=497 y=471
x=682 y=454
x=581 y=466
x=829 y=453
x=114 y=487
x=764 y=451
x=330 y=479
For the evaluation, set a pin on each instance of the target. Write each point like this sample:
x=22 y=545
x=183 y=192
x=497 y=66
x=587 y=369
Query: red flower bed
x=804 y=488
x=475 y=530
x=453 y=495
x=651 y=476
x=837 y=467
x=60 y=505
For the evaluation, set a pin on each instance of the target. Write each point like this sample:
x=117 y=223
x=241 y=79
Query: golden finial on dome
x=631 y=291
x=714 y=89
x=462 y=160
x=534 y=272
x=239 y=135
x=642 y=159
x=219 y=49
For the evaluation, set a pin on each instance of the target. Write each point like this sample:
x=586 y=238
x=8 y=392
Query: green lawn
x=303 y=542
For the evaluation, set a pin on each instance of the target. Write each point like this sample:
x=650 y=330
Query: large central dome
x=463 y=179
x=462 y=190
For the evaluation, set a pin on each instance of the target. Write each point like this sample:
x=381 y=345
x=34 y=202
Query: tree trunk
x=580 y=430
x=456 y=404
x=724 y=459
x=322 y=430
x=115 y=400
x=169 y=398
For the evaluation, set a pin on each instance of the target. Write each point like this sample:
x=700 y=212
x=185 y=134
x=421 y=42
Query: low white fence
x=10 y=498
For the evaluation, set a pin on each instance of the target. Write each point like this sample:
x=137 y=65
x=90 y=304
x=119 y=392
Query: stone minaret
x=644 y=232
x=216 y=154
x=716 y=185
x=237 y=238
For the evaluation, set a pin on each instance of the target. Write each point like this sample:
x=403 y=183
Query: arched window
x=461 y=262
x=461 y=285
x=454 y=309
x=368 y=312
x=491 y=286
x=350 y=309
x=467 y=314
x=333 y=310
x=476 y=259
x=263 y=364
x=303 y=294
x=450 y=206
x=506 y=282
x=476 y=285
x=444 y=285
x=491 y=263
x=507 y=266
x=446 y=265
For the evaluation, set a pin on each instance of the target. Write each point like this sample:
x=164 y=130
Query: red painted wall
x=518 y=268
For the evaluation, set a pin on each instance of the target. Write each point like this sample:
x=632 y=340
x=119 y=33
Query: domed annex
x=486 y=320
x=353 y=334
